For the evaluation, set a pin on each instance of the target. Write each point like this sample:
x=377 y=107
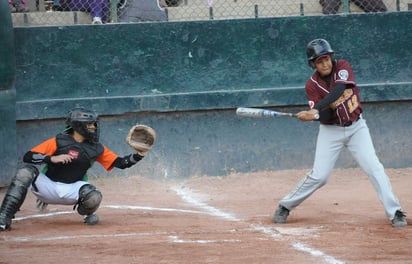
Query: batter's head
x=78 y=120
x=317 y=48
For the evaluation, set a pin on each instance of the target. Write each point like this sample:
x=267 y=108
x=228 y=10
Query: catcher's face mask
x=85 y=122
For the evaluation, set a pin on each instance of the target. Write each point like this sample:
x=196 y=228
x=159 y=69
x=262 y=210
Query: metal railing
x=68 y=12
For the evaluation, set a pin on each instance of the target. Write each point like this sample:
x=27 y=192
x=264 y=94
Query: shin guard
x=16 y=193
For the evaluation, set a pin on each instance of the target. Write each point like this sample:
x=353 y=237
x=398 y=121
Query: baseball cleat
x=3 y=227
x=91 y=219
x=399 y=220
x=5 y=223
x=281 y=214
x=41 y=206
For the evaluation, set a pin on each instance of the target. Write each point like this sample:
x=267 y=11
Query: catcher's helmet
x=317 y=48
x=78 y=119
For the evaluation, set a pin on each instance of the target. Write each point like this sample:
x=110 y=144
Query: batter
x=334 y=101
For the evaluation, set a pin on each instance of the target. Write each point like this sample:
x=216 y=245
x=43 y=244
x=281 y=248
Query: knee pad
x=21 y=182
x=25 y=175
x=89 y=199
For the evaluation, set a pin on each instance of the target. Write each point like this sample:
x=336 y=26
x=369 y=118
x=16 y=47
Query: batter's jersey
x=84 y=155
x=345 y=109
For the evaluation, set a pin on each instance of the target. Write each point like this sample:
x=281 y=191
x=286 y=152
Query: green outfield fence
x=185 y=78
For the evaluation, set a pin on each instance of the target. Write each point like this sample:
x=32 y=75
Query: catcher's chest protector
x=84 y=154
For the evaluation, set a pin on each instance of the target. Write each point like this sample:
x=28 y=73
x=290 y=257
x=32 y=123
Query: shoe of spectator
x=97 y=21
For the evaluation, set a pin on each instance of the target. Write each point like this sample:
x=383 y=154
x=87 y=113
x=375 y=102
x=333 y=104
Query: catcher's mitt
x=141 y=138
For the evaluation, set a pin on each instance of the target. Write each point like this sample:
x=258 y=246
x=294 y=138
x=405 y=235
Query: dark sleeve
x=325 y=114
x=126 y=161
x=36 y=158
x=336 y=92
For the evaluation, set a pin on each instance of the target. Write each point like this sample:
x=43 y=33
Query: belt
x=348 y=123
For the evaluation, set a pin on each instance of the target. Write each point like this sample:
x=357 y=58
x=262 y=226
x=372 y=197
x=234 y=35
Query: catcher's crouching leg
x=16 y=194
x=89 y=201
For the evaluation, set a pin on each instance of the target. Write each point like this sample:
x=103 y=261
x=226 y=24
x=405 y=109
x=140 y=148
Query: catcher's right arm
x=141 y=138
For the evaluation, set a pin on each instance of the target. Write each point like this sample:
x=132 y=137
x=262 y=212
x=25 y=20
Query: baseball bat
x=257 y=112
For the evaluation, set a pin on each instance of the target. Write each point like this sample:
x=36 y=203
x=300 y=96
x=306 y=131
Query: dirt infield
x=217 y=220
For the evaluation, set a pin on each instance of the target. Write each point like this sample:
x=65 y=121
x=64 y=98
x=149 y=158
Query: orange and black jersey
x=84 y=155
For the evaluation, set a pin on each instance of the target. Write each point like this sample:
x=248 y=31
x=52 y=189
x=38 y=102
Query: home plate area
x=225 y=219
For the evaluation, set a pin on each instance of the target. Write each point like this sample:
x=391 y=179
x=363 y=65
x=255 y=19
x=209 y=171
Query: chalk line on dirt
x=148 y=208
x=175 y=239
x=276 y=234
x=42 y=215
x=52 y=238
x=121 y=207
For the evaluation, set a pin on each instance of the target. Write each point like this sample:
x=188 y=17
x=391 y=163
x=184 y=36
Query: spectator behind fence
x=141 y=10
x=330 y=7
x=56 y=6
x=18 y=6
x=99 y=9
x=172 y=2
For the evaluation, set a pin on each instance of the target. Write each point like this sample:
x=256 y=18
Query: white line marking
x=42 y=215
x=317 y=253
x=266 y=230
x=211 y=210
x=29 y=238
x=206 y=209
x=122 y=207
x=148 y=208
x=175 y=239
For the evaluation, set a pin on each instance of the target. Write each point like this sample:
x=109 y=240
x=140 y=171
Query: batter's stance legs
x=16 y=194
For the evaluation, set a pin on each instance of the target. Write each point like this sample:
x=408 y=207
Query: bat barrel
x=256 y=112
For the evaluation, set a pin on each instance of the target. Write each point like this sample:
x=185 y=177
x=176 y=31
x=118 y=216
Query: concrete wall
x=186 y=79
x=7 y=96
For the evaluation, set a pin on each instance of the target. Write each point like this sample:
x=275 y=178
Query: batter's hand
x=307 y=115
x=62 y=158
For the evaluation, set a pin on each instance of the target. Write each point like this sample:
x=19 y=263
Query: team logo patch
x=74 y=153
x=311 y=104
x=343 y=74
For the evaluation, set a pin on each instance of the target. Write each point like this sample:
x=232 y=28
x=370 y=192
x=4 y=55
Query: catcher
x=67 y=158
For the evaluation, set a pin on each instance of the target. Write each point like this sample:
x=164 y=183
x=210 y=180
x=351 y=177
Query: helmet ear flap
x=312 y=64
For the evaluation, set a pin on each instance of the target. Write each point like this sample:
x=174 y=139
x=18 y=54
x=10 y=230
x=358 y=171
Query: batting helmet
x=317 y=48
x=78 y=119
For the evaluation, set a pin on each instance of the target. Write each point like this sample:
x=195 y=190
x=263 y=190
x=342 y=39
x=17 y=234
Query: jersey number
x=353 y=103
